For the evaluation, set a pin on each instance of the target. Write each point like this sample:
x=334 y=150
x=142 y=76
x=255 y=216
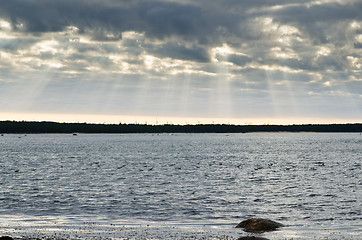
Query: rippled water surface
x=181 y=185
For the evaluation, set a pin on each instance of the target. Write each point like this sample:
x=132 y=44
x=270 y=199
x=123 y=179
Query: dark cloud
x=203 y=21
x=201 y=24
x=327 y=12
x=358 y=45
x=162 y=19
x=14 y=45
x=239 y=60
x=106 y=20
x=334 y=63
x=177 y=51
x=319 y=20
x=188 y=30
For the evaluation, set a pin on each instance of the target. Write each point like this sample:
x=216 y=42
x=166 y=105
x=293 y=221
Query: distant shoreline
x=56 y=127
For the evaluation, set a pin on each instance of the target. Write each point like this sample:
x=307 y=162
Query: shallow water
x=180 y=185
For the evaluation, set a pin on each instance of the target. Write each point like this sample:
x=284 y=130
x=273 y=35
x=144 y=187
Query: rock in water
x=259 y=225
x=6 y=238
x=252 y=238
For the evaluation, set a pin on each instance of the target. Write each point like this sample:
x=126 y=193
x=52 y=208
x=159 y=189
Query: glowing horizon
x=152 y=120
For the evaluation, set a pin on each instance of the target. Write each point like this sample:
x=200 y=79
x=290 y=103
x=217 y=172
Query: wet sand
x=147 y=232
x=94 y=231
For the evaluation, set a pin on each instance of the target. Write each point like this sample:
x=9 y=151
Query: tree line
x=56 y=127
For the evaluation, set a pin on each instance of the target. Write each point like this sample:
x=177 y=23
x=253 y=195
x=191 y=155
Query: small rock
x=6 y=238
x=259 y=225
x=252 y=238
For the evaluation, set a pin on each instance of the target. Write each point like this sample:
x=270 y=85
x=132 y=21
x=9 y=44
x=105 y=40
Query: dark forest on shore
x=55 y=127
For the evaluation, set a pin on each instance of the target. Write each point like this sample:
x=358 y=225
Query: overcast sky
x=230 y=61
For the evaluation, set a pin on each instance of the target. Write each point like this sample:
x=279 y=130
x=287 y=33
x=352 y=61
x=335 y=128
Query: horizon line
x=178 y=124
x=173 y=120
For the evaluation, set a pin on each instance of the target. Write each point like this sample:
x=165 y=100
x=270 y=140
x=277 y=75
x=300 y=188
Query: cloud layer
x=183 y=58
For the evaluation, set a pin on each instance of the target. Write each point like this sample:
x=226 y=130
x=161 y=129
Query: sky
x=181 y=61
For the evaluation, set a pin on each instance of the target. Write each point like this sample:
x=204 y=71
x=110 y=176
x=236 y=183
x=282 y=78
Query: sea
x=180 y=186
